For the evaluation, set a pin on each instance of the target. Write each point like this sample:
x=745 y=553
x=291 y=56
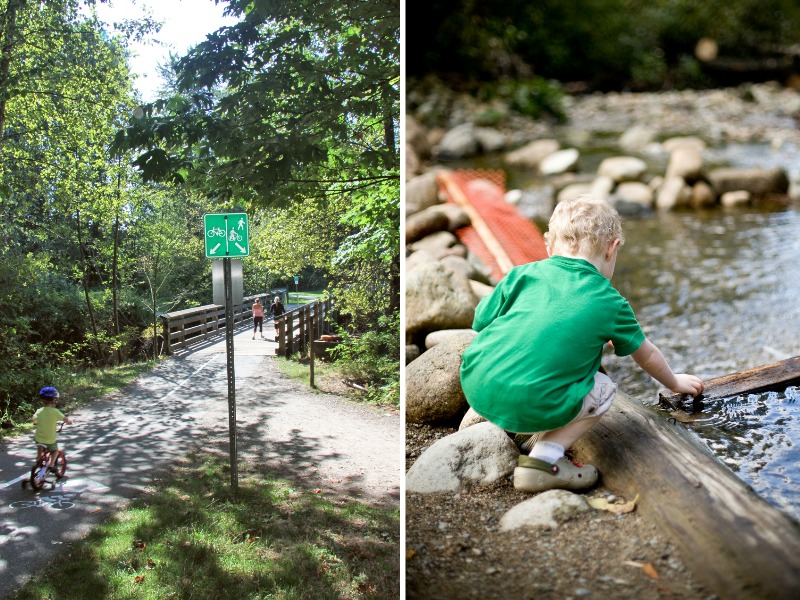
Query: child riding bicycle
x=46 y=420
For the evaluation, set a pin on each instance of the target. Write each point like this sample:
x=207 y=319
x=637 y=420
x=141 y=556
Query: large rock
x=622 y=168
x=531 y=154
x=459 y=142
x=686 y=162
x=433 y=383
x=758 y=182
x=479 y=455
x=573 y=190
x=437 y=243
x=637 y=138
x=673 y=193
x=421 y=192
x=548 y=509
x=413 y=163
x=438 y=298
x=635 y=192
x=434 y=338
x=424 y=223
x=560 y=162
x=417 y=138
x=490 y=139
x=470 y=418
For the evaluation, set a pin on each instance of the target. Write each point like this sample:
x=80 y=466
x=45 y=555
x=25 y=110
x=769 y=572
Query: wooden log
x=775 y=375
x=735 y=543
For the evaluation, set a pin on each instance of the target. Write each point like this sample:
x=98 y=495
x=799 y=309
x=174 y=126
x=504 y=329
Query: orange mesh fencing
x=499 y=235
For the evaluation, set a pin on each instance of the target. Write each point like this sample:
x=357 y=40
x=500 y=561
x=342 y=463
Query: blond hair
x=583 y=225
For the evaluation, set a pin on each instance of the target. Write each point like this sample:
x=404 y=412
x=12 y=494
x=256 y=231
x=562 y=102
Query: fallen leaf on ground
x=138 y=579
x=648 y=568
x=617 y=509
x=150 y=564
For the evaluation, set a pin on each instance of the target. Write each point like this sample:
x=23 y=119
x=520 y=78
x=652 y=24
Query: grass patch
x=191 y=537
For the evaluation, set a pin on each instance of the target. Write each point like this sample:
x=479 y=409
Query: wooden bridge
x=290 y=333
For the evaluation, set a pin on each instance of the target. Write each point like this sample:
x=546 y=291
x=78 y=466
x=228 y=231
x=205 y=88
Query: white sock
x=547 y=451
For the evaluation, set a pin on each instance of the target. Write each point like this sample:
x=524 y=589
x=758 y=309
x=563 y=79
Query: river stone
x=421 y=257
x=421 y=192
x=756 y=181
x=623 y=168
x=686 y=162
x=673 y=193
x=412 y=352
x=470 y=418
x=413 y=164
x=417 y=138
x=459 y=142
x=467 y=267
x=573 y=190
x=435 y=243
x=531 y=154
x=479 y=455
x=559 y=162
x=737 y=198
x=457 y=217
x=433 y=382
x=637 y=138
x=636 y=192
x=548 y=509
x=424 y=223
x=687 y=141
x=703 y=195
x=480 y=289
x=438 y=298
x=490 y=139
x=434 y=338
x=602 y=187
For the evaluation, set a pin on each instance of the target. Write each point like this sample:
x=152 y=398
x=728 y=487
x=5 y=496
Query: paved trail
x=116 y=443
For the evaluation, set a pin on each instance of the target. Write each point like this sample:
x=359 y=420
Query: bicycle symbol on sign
x=234 y=237
x=57 y=502
x=216 y=232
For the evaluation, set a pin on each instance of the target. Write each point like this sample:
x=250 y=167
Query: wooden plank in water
x=734 y=542
x=776 y=375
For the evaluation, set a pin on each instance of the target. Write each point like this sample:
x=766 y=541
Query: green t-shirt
x=540 y=341
x=46 y=419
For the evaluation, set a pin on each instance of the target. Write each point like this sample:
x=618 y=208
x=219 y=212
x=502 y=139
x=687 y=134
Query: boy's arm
x=649 y=358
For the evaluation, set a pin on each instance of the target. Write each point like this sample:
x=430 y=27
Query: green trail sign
x=227 y=235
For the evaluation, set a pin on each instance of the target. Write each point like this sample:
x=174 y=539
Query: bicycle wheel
x=36 y=482
x=61 y=465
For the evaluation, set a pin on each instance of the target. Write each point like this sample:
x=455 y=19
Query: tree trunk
x=9 y=24
x=85 y=278
x=736 y=544
x=115 y=261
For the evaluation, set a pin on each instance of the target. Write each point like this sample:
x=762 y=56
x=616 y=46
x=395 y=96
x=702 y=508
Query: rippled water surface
x=717 y=292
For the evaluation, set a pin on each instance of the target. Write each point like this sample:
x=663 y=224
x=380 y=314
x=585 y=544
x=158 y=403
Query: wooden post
x=279 y=327
x=311 y=356
x=301 y=316
x=167 y=347
x=289 y=334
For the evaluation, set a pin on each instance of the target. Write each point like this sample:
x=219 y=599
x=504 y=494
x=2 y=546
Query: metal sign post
x=228 y=236
x=231 y=373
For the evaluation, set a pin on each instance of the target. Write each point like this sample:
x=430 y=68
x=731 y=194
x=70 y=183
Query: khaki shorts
x=50 y=447
x=597 y=402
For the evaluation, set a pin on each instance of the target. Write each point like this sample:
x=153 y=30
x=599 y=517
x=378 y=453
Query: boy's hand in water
x=688 y=384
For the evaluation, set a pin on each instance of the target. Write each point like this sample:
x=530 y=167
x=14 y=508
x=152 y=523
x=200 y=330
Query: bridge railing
x=294 y=330
x=193 y=325
x=297 y=328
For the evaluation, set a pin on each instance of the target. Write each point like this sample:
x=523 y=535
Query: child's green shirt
x=46 y=419
x=540 y=341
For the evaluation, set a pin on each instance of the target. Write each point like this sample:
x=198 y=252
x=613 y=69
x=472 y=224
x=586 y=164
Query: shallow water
x=757 y=436
x=717 y=292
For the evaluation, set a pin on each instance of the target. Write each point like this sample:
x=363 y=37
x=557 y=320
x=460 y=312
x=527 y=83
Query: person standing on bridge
x=258 y=318
x=277 y=308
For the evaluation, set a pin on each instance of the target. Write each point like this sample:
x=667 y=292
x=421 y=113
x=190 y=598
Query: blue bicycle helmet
x=48 y=392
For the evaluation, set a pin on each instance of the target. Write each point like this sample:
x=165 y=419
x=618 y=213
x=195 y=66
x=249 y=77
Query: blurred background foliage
x=594 y=44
